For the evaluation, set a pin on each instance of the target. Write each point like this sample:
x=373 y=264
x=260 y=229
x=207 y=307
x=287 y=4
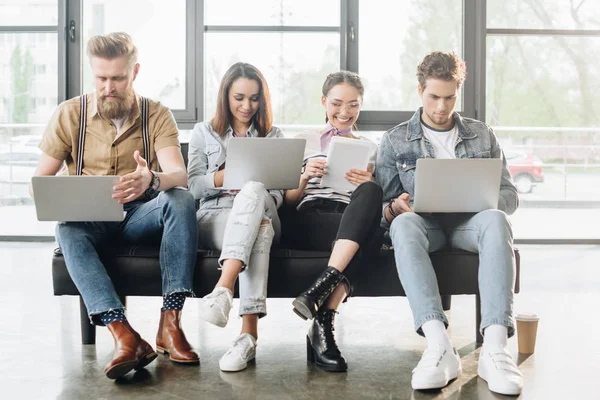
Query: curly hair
x=443 y=66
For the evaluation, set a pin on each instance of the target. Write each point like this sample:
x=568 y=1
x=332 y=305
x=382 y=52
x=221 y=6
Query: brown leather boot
x=131 y=351
x=171 y=340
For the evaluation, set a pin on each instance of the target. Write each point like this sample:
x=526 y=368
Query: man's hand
x=315 y=168
x=401 y=204
x=358 y=176
x=132 y=185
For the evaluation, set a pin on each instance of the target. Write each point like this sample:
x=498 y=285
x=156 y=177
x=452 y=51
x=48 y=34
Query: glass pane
x=295 y=66
x=407 y=30
x=158 y=31
x=22 y=13
x=28 y=97
x=536 y=14
x=541 y=100
x=272 y=12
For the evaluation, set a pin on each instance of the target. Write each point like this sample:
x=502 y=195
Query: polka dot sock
x=113 y=315
x=174 y=301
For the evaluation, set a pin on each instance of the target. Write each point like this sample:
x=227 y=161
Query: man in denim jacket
x=437 y=131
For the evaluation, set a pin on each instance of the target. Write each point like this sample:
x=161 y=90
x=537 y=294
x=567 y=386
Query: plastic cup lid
x=527 y=317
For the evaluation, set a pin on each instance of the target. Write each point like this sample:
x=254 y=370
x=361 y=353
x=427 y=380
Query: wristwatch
x=155 y=183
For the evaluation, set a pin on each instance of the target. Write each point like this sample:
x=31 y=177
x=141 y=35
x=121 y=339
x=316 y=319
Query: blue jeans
x=488 y=233
x=168 y=219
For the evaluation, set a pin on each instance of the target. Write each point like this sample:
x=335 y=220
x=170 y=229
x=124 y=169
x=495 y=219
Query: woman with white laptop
x=241 y=223
x=348 y=220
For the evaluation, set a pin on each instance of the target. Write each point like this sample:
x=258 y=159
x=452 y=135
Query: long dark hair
x=262 y=119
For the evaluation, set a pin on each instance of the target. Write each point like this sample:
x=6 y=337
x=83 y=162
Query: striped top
x=314 y=190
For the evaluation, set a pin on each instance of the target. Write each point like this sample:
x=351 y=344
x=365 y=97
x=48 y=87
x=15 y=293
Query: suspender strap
x=145 y=134
x=82 y=123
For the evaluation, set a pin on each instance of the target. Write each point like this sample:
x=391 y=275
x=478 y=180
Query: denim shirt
x=401 y=146
x=206 y=154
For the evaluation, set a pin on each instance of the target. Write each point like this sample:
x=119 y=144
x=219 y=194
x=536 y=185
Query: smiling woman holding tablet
x=241 y=223
x=346 y=214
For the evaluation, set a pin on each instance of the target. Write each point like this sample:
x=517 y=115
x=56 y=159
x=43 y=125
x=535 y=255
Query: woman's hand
x=218 y=178
x=315 y=168
x=358 y=176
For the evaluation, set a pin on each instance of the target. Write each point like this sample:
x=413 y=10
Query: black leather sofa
x=135 y=271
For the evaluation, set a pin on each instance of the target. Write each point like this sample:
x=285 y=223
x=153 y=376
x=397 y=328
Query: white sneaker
x=239 y=354
x=216 y=306
x=437 y=367
x=498 y=369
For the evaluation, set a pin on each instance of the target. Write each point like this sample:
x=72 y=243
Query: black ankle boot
x=308 y=303
x=321 y=348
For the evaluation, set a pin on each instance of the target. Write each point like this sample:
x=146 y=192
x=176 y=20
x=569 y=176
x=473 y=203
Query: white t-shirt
x=443 y=142
x=119 y=124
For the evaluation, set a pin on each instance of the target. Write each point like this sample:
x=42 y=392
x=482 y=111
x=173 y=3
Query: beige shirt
x=105 y=151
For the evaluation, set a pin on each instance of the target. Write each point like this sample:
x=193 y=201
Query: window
x=39 y=69
x=294 y=65
x=538 y=14
x=159 y=32
x=291 y=44
x=272 y=13
x=23 y=116
x=392 y=43
x=23 y=13
x=18 y=84
x=540 y=99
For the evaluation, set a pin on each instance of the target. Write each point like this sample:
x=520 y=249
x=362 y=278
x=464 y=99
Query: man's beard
x=116 y=108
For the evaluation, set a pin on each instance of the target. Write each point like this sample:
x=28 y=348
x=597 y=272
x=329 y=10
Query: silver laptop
x=457 y=185
x=275 y=162
x=76 y=198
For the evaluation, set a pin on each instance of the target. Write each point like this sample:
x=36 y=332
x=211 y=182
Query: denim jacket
x=207 y=153
x=401 y=146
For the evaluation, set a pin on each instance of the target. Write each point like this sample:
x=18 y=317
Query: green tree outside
x=21 y=64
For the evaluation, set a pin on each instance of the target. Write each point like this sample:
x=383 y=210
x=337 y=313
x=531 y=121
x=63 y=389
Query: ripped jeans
x=235 y=227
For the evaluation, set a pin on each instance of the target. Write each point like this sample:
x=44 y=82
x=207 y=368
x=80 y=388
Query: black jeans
x=319 y=223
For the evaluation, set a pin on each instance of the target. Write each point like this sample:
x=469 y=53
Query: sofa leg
x=88 y=331
x=478 y=336
x=446 y=302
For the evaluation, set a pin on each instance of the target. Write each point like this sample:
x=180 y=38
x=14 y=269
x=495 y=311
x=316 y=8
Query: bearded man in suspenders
x=113 y=131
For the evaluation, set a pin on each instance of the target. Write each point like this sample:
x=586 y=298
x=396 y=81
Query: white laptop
x=274 y=162
x=76 y=198
x=457 y=185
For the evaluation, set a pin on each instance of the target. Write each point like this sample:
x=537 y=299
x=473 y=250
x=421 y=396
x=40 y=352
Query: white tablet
x=343 y=155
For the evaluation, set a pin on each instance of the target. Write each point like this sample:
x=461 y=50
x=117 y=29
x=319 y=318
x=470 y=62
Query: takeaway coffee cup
x=527 y=324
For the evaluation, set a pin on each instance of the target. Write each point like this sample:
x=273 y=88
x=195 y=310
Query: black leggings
x=319 y=223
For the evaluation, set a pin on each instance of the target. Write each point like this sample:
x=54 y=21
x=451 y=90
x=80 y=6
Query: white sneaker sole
x=234 y=367
x=509 y=391
x=432 y=384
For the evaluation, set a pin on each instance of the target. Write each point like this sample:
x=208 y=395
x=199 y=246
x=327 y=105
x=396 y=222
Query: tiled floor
x=41 y=356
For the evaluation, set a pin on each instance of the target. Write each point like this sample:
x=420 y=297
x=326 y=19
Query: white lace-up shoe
x=437 y=367
x=498 y=369
x=216 y=306
x=239 y=354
